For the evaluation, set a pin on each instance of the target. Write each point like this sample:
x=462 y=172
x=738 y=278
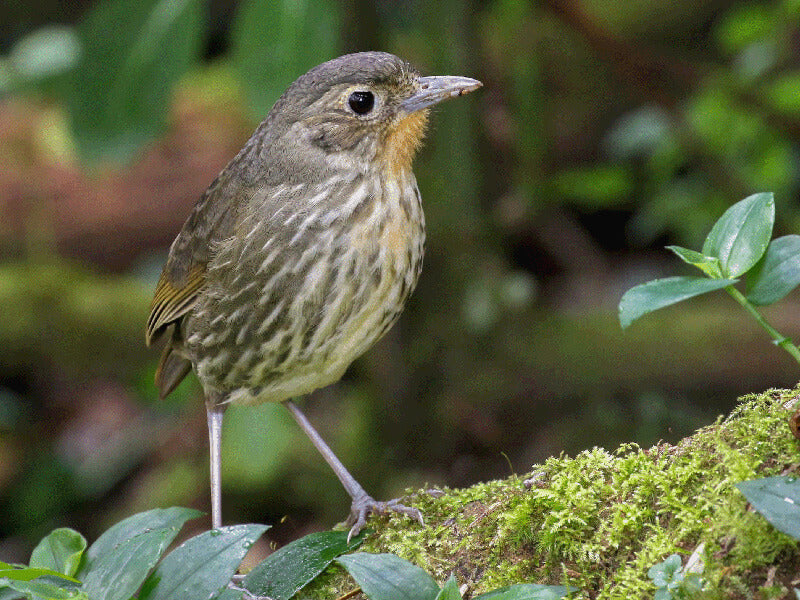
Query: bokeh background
x=605 y=130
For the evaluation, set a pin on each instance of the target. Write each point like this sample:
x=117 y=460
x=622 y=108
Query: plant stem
x=780 y=339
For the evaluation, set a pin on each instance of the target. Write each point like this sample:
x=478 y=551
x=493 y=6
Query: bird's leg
x=215 y=412
x=363 y=504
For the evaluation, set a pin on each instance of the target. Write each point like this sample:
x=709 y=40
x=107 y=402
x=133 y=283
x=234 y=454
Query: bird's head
x=368 y=107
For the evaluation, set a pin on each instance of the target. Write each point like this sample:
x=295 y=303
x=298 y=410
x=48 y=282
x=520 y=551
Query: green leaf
x=60 y=551
x=158 y=518
x=389 y=577
x=527 y=591
x=121 y=88
x=707 y=264
x=778 y=499
x=117 y=574
x=777 y=273
x=664 y=572
x=301 y=34
x=13 y=573
x=450 y=590
x=290 y=568
x=741 y=235
x=650 y=296
x=202 y=566
x=46 y=591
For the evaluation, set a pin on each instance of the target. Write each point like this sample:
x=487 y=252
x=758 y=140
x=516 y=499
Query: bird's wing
x=184 y=274
x=172 y=301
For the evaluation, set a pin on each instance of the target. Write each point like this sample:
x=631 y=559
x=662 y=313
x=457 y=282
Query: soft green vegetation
x=738 y=244
x=127 y=560
x=64 y=312
x=100 y=70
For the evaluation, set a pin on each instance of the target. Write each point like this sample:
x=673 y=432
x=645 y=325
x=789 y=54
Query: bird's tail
x=172 y=368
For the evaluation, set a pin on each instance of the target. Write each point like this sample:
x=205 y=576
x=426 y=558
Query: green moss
x=600 y=520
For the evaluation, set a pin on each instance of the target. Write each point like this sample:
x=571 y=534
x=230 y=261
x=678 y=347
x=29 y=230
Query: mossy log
x=598 y=521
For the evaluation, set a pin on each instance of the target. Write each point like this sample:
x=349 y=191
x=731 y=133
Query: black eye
x=361 y=102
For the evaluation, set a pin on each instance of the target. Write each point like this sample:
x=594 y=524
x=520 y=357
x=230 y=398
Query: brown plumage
x=304 y=250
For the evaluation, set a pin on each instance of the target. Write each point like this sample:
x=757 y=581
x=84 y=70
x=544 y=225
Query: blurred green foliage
x=273 y=42
x=604 y=130
x=119 y=91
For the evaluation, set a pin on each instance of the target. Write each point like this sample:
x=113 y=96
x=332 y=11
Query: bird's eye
x=361 y=102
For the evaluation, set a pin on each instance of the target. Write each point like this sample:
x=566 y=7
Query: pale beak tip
x=435 y=89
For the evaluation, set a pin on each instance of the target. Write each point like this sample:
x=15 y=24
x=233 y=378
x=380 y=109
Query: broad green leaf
x=650 y=296
x=777 y=273
x=450 y=590
x=527 y=591
x=202 y=566
x=41 y=590
x=663 y=573
x=290 y=568
x=158 y=518
x=778 y=499
x=389 y=577
x=119 y=573
x=60 y=551
x=133 y=52
x=707 y=264
x=741 y=235
x=275 y=41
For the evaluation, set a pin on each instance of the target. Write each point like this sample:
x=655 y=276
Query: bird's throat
x=402 y=140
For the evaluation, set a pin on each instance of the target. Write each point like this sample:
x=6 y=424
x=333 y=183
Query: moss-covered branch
x=600 y=520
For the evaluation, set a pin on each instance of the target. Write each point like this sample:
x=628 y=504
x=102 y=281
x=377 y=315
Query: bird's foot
x=364 y=506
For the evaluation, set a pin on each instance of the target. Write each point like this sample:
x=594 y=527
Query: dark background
x=604 y=131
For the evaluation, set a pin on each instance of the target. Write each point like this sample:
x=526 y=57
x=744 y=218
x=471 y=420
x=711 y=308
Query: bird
x=303 y=251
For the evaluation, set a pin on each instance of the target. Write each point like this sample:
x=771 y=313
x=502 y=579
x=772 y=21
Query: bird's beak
x=437 y=88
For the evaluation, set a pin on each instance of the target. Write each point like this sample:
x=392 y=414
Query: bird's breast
x=389 y=244
x=294 y=300
x=394 y=224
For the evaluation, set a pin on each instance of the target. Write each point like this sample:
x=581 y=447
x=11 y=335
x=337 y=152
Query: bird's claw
x=365 y=506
